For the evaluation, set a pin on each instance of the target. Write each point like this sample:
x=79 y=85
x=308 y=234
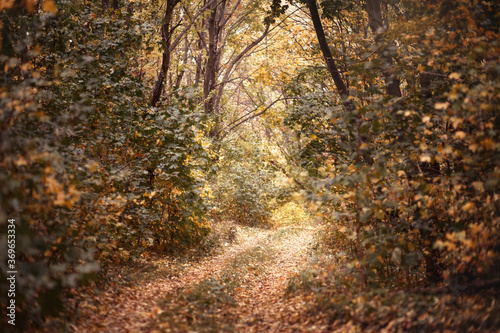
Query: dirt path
x=239 y=290
x=262 y=307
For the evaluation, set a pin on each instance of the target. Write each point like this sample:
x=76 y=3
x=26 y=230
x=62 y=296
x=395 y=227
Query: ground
x=243 y=289
x=267 y=280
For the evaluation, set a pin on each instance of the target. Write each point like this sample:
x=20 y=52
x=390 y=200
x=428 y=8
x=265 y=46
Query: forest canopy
x=132 y=127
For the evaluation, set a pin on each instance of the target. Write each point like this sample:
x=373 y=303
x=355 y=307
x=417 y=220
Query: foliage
x=349 y=307
x=406 y=180
x=245 y=190
x=165 y=210
x=292 y=214
x=91 y=174
x=410 y=183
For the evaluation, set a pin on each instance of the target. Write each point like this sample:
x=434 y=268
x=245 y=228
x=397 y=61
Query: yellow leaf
x=476 y=228
x=49 y=6
x=6 y=4
x=454 y=76
x=460 y=135
x=425 y=158
x=452 y=96
x=25 y=67
x=74 y=196
x=484 y=107
x=478 y=186
x=21 y=162
x=53 y=185
x=469 y=206
x=450 y=246
x=60 y=199
x=441 y=106
x=92 y=166
x=456 y=121
x=439 y=245
x=150 y=195
x=488 y=143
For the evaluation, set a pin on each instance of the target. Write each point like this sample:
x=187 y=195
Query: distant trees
x=210 y=31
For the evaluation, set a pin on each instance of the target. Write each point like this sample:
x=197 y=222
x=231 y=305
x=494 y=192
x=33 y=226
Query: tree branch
x=238 y=122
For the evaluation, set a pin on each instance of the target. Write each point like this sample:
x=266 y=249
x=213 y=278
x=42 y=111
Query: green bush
x=245 y=190
x=89 y=172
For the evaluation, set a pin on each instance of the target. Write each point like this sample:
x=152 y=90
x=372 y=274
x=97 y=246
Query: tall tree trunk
x=335 y=74
x=199 y=56
x=216 y=24
x=327 y=54
x=199 y=65
x=392 y=83
x=166 y=34
x=178 y=80
x=213 y=56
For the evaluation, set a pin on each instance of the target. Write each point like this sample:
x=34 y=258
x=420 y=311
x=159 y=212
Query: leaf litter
x=240 y=290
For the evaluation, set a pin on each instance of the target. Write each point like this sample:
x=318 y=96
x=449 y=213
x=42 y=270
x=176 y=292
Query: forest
x=250 y=165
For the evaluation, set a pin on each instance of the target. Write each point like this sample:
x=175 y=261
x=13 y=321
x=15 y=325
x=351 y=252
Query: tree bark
x=213 y=56
x=178 y=80
x=166 y=33
x=335 y=74
x=327 y=54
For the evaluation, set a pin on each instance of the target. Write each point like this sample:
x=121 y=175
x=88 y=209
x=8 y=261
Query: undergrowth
x=339 y=294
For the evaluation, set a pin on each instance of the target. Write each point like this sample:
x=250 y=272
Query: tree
x=394 y=203
x=166 y=34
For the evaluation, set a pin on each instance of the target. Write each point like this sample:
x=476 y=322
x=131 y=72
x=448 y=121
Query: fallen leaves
x=240 y=290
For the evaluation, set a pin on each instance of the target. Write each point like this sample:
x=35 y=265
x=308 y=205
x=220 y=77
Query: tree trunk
x=216 y=24
x=213 y=56
x=335 y=74
x=327 y=54
x=178 y=80
x=375 y=22
x=166 y=34
x=198 y=59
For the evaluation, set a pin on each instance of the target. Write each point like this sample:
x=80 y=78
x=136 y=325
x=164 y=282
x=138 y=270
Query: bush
x=408 y=184
x=245 y=190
